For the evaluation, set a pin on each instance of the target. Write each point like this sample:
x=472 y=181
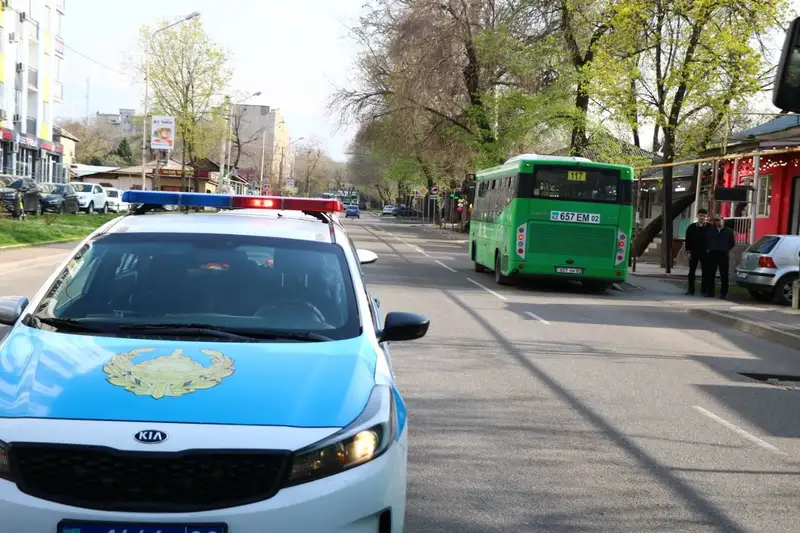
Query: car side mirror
x=404 y=327
x=11 y=308
x=785 y=93
x=365 y=257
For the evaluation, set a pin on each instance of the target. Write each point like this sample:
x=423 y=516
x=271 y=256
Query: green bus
x=553 y=216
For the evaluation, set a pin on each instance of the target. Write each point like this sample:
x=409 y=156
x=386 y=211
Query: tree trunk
x=579 y=142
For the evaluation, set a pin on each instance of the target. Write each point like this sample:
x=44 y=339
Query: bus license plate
x=570 y=216
x=569 y=270
x=69 y=526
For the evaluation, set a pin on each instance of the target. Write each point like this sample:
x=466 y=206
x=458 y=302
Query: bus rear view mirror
x=786 y=89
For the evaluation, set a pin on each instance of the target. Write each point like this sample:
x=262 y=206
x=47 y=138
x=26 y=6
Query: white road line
x=417 y=248
x=447 y=267
x=536 y=317
x=487 y=289
x=739 y=431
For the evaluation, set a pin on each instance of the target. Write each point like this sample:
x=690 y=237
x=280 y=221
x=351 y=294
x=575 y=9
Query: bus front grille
x=580 y=240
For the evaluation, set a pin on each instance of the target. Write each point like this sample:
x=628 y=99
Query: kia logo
x=150 y=436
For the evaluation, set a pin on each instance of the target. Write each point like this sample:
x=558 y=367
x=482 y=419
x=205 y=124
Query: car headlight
x=366 y=439
x=5 y=469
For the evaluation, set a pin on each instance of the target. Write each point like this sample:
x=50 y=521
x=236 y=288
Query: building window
x=45 y=113
x=48 y=20
x=58 y=68
x=59 y=26
x=18 y=102
x=764 y=194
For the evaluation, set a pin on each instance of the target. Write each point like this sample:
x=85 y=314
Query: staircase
x=653 y=252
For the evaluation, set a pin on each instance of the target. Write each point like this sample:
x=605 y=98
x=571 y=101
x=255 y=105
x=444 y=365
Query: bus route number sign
x=569 y=216
x=576 y=175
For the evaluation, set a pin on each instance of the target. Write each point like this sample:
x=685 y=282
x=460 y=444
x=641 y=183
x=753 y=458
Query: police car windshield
x=239 y=283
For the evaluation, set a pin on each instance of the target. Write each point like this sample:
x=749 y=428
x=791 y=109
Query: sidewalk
x=777 y=324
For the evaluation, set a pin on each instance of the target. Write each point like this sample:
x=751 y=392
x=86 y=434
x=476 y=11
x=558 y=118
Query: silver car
x=769 y=267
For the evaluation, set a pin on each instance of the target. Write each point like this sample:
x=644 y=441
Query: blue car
x=213 y=373
x=352 y=211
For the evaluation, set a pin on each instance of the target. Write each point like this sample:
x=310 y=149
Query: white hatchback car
x=91 y=197
x=115 y=203
x=769 y=267
x=388 y=210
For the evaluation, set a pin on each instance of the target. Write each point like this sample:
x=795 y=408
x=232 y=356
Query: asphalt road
x=543 y=409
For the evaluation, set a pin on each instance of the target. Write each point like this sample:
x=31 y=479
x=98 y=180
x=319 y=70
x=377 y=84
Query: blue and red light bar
x=227 y=201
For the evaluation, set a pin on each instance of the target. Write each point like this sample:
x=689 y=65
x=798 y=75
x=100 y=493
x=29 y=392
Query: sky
x=296 y=53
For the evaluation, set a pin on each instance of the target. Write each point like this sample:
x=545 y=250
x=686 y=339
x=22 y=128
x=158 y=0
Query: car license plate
x=121 y=527
x=741 y=275
x=570 y=216
x=569 y=270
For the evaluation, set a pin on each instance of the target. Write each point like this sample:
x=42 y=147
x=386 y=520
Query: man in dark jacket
x=696 y=246
x=721 y=241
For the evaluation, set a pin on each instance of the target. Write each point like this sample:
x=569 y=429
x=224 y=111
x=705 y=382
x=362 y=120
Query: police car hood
x=79 y=377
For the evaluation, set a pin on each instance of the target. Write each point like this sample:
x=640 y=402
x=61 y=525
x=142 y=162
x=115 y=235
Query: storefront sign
x=28 y=141
x=174 y=172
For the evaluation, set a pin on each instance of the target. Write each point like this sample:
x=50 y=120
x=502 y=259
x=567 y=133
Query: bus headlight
x=366 y=439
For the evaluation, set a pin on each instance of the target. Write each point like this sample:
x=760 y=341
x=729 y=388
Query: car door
x=70 y=199
x=99 y=196
x=30 y=194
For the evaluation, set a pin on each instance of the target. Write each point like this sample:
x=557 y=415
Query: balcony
x=30 y=126
x=59 y=47
x=33 y=78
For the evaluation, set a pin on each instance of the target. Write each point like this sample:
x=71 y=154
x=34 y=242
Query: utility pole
x=88 y=92
x=263 y=150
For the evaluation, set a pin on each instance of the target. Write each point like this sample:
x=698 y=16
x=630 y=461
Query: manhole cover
x=776 y=380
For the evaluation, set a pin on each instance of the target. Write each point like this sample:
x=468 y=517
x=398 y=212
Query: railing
x=33 y=77
x=30 y=126
x=59 y=46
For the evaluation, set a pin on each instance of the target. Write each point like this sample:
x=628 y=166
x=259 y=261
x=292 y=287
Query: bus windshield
x=579 y=184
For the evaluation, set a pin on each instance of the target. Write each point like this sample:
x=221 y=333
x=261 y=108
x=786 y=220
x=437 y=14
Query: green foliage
x=125 y=153
x=187 y=70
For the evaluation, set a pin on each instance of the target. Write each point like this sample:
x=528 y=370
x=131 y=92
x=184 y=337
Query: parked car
x=769 y=267
x=59 y=198
x=388 y=210
x=352 y=210
x=91 y=197
x=115 y=203
x=31 y=196
x=407 y=212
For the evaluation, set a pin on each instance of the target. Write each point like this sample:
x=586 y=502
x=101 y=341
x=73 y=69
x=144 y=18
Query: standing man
x=721 y=241
x=697 y=246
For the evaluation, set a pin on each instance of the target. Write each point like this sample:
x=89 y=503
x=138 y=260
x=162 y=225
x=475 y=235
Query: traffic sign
x=434 y=190
x=421 y=191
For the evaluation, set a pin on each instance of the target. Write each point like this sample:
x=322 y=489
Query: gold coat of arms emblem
x=169 y=375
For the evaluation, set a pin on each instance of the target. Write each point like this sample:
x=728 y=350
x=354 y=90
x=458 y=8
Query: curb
x=759 y=330
x=34 y=244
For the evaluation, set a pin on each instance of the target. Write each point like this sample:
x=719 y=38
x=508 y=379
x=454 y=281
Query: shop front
x=27 y=156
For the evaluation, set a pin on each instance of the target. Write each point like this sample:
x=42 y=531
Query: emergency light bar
x=227 y=201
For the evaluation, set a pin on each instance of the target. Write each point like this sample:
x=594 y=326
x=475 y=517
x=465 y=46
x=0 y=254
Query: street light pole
x=263 y=150
x=147 y=92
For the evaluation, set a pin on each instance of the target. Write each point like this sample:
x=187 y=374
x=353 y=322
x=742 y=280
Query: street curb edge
x=758 y=330
x=34 y=244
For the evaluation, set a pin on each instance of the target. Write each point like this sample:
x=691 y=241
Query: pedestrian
x=721 y=241
x=696 y=246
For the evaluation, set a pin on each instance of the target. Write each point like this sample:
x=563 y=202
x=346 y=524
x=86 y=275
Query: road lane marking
x=536 y=317
x=417 y=248
x=739 y=431
x=447 y=267
x=487 y=289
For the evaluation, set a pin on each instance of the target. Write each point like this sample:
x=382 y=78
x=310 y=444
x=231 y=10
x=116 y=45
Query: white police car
x=204 y=374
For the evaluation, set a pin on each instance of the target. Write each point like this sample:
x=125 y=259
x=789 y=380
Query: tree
x=187 y=69
x=125 y=153
x=242 y=137
x=681 y=65
x=97 y=141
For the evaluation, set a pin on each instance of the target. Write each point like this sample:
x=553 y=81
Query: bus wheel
x=499 y=277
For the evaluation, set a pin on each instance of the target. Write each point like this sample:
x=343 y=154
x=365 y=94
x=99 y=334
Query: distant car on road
x=352 y=210
x=769 y=267
x=388 y=210
x=407 y=212
x=115 y=203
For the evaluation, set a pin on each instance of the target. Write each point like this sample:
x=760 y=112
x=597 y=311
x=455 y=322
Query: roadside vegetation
x=48 y=228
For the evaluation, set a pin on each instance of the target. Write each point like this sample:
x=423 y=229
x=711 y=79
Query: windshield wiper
x=186 y=329
x=223 y=332
x=66 y=324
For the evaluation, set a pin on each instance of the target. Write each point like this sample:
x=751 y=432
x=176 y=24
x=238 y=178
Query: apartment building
x=122 y=122
x=31 y=59
x=262 y=132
